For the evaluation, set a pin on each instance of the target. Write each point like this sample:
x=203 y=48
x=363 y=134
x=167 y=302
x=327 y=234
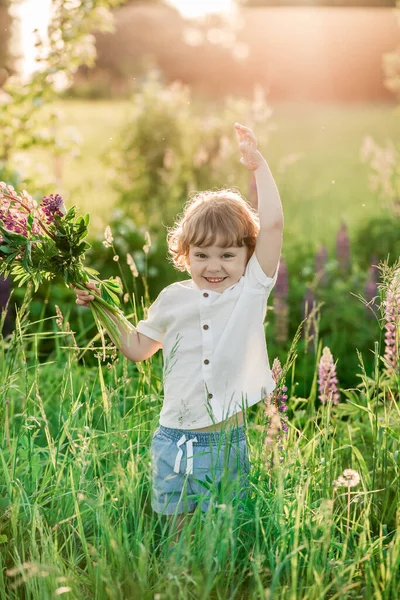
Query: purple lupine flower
x=327 y=378
x=51 y=206
x=321 y=259
x=371 y=288
x=280 y=304
x=392 y=318
x=343 y=248
x=13 y=220
x=280 y=396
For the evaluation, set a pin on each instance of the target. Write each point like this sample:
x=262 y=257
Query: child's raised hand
x=251 y=157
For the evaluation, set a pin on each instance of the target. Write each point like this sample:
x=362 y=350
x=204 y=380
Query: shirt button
x=205 y=326
x=206 y=362
x=210 y=396
x=205 y=295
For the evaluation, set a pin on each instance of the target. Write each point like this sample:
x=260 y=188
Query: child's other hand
x=84 y=297
x=251 y=158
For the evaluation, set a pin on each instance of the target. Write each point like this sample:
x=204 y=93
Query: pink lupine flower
x=14 y=211
x=28 y=200
x=343 y=248
x=52 y=245
x=14 y=220
x=280 y=304
x=327 y=378
x=275 y=411
x=280 y=396
x=392 y=318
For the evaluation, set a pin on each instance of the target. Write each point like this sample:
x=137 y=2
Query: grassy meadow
x=313 y=151
x=75 y=465
x=75 y=490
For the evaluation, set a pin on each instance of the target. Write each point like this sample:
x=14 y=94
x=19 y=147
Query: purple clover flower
x=51 y=206
x=327 y=378
x=392 y=318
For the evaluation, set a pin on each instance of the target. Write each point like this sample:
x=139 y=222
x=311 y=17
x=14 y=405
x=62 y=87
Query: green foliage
x=39 y=258
x=342 y=322
x=377 y=236
x=168 y=148
x=25 y=118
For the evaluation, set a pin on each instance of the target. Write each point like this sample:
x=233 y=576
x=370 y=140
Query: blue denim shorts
x=191 y=468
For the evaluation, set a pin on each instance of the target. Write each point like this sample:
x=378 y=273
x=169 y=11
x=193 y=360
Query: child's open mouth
x=215 y=280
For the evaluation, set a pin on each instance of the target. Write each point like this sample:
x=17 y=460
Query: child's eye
x=201 y=255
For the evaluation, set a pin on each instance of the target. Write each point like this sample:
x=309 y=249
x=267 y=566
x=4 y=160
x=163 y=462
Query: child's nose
x=214 y=266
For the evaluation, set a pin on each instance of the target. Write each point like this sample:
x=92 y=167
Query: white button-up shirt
x=214 y=348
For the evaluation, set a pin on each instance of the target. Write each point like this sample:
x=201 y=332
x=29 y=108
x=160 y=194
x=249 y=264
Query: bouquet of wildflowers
x=41 y=242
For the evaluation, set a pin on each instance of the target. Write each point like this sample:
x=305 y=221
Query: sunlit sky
x=33 y=15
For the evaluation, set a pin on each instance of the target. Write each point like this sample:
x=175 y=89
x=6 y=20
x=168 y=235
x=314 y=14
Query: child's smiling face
x=217 y=268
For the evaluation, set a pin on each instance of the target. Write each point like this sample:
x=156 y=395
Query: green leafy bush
x=168 y=148
x=379 y=237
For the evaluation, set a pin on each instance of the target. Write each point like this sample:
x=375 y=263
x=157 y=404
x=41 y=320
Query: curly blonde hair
x=222 y=215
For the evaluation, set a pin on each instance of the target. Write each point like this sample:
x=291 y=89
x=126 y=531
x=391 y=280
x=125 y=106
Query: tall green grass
x=75 y=488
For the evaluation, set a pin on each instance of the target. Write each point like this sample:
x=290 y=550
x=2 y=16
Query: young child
x=210 y=328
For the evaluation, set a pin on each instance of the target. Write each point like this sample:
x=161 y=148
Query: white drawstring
x=189 y=450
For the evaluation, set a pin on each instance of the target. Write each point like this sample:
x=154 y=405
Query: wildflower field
x=322 y=518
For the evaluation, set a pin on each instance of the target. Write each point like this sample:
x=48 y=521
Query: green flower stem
x=108 y=323
x=111 y=307
x=99 y=308
x=102 y=319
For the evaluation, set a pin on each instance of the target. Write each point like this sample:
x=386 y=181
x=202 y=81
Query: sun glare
x=198 y=8
x=31 y=15
x=34 y=14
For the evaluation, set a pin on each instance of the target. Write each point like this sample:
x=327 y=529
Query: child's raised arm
x=134 y=345
x=269 y=204
x=269 y=239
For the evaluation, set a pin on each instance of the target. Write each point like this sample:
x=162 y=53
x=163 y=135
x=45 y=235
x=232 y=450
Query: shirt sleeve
x=154 y=326
x=256 y=278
